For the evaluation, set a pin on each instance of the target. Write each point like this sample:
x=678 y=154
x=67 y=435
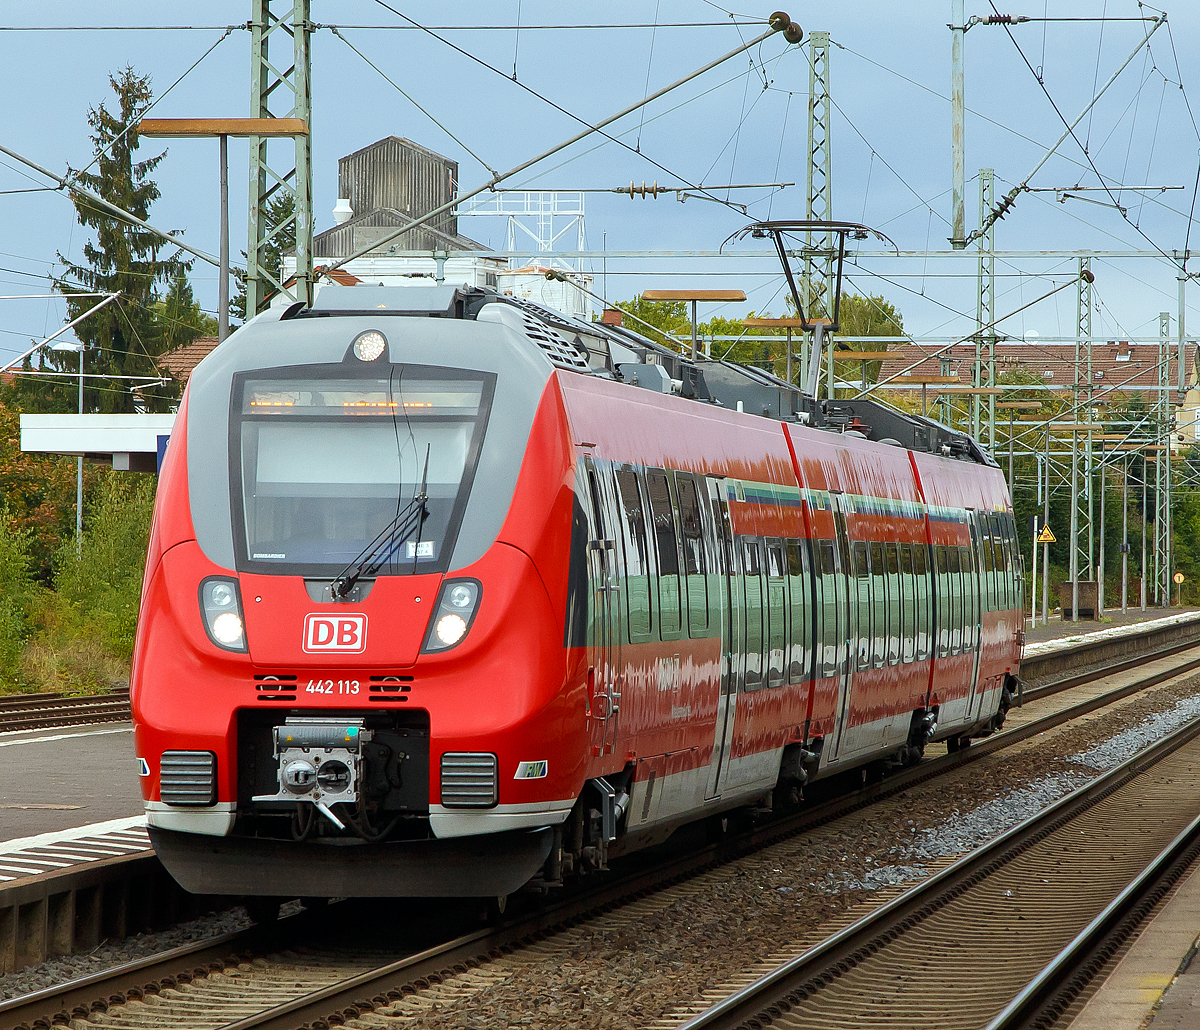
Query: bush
x=19 y=599
x=78 y=638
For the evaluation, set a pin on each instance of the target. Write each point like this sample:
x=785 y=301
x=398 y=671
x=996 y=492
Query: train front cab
x=470 y=748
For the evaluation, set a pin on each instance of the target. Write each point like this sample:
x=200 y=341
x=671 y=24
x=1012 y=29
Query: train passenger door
x=730 y=608
x=856 y=649
x=604 y=637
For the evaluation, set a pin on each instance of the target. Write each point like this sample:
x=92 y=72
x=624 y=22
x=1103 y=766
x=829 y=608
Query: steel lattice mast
x=280 y=75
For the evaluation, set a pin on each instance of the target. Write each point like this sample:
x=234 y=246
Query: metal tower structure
x=1083 y=379
x=1162 y=469
x=985 y=317
x=543 y=216
x=280 y=87
x=1081 y=392
x=817 y=278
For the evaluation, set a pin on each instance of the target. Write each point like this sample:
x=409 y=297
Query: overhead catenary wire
x=409 y=98
x=570 y=114
x=111 y=208
x=777 y=26
x=982 y=117
x=998 y=212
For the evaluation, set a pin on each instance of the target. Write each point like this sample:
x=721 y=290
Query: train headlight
x=221 y=606
x=369 y=345
x=450 y=629
x=452 y=615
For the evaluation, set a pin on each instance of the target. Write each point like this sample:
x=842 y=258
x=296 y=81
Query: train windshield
x=328 y=463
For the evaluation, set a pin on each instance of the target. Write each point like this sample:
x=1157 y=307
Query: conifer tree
x=123 y=338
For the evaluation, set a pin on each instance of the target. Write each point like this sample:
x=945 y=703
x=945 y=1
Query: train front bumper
x=480 y=866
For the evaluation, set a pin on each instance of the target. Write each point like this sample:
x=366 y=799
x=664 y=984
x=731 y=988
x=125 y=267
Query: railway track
x=44 y=711
x=1030 y=917
x=243 y=987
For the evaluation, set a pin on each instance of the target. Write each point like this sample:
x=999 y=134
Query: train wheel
x=263 y=911
x=495 y=908
x=718 y=827
x=957 y=744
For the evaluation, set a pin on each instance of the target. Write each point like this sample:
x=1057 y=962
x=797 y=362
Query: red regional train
x=447 y=593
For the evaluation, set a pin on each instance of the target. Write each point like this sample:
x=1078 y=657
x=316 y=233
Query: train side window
x=1012 y=566
x=753 y=638
x=908 y=605
x=971 y=616
x=942 y=599
x=1003 y=563
x=861 y=596
x=776 y=613
x=988 y=542
x=1000 y=549
x=895 y=603
x=954 y=581
x=923 y=594
x=799 y=654
x=695 y=564
x=879 y=628
x=637 y=556
x=597 y=506
x=829 y=642
x=662 y=514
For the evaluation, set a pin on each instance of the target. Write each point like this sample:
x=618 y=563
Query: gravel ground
x=647 y=960
x=72 y=967
x=639 y=963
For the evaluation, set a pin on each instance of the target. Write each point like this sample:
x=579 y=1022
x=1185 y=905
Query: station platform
x=1056 y=629
x=64 y=779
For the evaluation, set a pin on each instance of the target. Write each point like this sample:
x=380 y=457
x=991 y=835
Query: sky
x=743 y=122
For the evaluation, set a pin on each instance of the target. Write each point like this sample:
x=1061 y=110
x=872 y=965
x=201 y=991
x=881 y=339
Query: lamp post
x=73 y=345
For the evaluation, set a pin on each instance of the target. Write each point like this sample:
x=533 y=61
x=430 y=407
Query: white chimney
x=342 y=211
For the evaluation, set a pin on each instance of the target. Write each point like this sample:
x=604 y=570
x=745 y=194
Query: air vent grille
x=561 y=353
x=469 y=779
x=188 y=777
x=275 y=686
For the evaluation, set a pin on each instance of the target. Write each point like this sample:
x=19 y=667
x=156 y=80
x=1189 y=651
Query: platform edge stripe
x=70 y=835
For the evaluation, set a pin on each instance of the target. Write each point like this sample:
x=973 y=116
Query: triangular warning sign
x=1045 y=536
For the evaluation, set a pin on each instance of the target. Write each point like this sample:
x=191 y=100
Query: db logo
x=335 y=633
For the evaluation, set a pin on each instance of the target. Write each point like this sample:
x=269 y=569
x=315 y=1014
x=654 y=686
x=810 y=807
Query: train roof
x=623 y=355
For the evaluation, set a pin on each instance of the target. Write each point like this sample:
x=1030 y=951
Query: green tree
x=864 y=316
x=179 y=316
x=123 y=338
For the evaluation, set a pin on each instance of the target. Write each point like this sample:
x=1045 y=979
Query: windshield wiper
x=396 y=532
x=406 y=522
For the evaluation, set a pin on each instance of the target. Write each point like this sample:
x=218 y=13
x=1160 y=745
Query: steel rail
x=785 y=987
x=1108 y=669
x=384 y=984
x=1048 y=995
x=136 y=979
x=374 y=988
x=40 y=711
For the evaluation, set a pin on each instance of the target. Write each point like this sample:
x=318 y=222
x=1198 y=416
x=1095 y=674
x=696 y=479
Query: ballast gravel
x=645 y=967
x=642 y=964
x=106 y=956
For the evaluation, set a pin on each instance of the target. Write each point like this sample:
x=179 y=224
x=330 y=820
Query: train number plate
x=335 y=633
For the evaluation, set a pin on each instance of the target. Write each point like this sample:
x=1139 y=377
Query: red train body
x=669 y=608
